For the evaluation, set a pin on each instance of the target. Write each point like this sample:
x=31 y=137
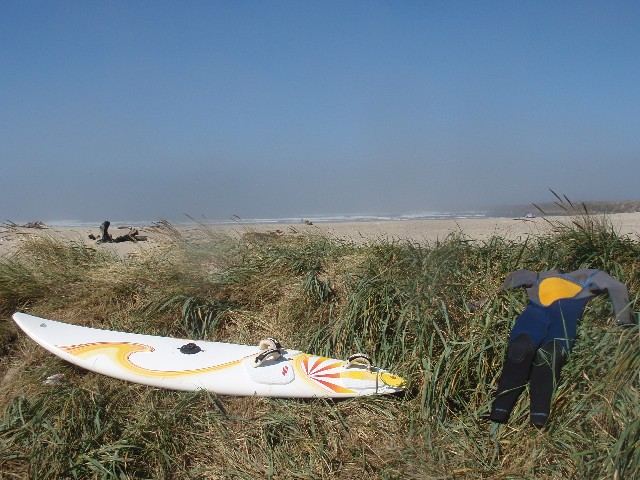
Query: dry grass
x=413 y=307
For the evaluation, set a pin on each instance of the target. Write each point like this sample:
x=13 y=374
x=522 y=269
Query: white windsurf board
x=223 y=368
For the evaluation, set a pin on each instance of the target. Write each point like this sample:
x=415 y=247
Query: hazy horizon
x=149 y=110
x=549 y=207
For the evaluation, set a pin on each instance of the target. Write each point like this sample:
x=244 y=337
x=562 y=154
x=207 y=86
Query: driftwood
x=9 y=225
x=106 y=237
x=37 y=224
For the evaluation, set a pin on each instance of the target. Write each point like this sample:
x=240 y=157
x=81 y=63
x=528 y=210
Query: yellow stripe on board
x=120 y=353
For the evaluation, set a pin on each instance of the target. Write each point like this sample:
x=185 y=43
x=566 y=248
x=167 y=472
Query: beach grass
x=431 y=312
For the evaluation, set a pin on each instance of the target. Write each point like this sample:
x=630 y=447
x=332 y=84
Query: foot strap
x=269 y=343
x=266 y=355
x=359 y=360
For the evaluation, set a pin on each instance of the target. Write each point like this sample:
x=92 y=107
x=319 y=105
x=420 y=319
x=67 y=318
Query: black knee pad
x=554 y=354
x=520 y=349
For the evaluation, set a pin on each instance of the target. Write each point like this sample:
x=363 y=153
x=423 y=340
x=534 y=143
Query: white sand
x=413 y=230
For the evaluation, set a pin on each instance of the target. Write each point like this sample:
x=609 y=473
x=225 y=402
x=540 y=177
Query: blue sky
x=145 y=110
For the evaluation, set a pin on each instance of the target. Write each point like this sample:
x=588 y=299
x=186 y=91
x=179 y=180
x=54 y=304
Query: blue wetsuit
x=545 y=331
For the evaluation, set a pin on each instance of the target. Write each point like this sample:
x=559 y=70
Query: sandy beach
x=421 y=231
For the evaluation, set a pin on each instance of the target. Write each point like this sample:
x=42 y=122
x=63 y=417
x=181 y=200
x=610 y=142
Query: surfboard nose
x=28 y=323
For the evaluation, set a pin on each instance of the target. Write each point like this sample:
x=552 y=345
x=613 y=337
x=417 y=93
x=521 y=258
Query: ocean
x=298 y=219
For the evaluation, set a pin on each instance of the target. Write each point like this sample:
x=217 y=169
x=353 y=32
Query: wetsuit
x=545 y=331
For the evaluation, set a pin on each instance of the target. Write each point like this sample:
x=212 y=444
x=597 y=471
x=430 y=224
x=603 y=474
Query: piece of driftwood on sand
x=106 y=237
x=9 y=225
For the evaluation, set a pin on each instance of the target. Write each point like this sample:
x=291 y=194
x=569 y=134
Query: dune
x=420 y=231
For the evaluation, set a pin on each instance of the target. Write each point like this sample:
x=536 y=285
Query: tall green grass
x=430 y=312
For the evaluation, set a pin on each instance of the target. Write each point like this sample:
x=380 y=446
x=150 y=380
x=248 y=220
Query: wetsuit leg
x=551 y=357
x=545 y=375
x=515 y=374
x=527 y=334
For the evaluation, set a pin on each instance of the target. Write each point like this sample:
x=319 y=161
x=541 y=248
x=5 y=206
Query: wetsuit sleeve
x=519 y=278
x=619 y=297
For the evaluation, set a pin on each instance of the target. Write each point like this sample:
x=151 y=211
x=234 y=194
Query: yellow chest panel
x=552 y=289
